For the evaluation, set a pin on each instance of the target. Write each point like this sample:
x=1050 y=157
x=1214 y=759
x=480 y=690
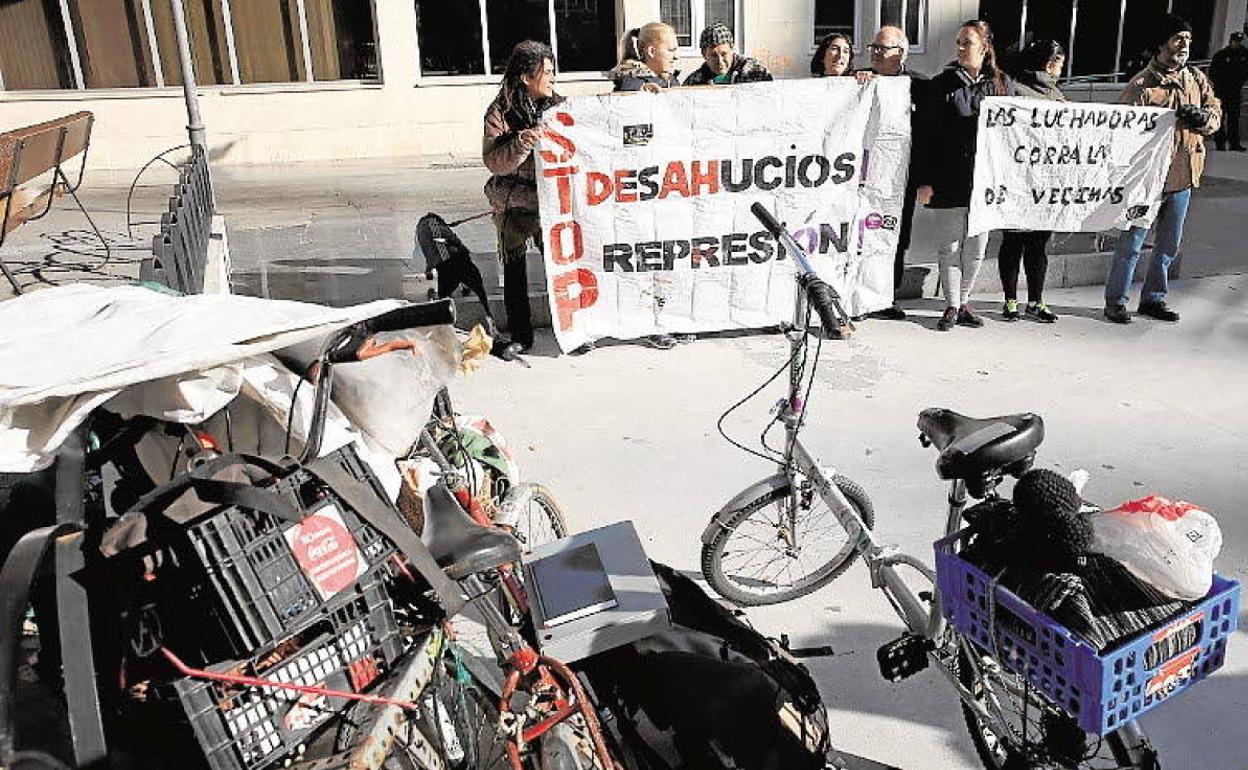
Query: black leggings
x=1027 y=246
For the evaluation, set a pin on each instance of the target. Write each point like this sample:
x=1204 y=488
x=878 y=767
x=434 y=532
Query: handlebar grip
x=823 y=299
x=764 y=216
x=434 y=313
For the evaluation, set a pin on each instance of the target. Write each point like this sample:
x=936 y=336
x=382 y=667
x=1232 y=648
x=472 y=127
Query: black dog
x=447 y=256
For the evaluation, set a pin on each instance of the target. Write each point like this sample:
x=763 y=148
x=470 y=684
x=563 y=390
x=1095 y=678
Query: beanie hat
x=716 y=34
x=1169 y=27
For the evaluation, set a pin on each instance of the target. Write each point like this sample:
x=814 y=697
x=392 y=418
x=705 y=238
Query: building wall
x=431 y=118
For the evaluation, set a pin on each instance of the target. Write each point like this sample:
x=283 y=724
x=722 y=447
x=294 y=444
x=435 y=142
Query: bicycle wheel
x=1038 y=736
x=542 y=521
x=753 y=560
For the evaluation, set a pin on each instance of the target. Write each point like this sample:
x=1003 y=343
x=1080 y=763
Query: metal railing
x=180 y=249
x=1087 y=84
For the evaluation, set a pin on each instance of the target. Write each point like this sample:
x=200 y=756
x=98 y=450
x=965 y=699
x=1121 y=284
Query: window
x=34 y=51
x=690 y=17
x=833 y=16
x=75 y=44
x=910 y=15
x=451 y=41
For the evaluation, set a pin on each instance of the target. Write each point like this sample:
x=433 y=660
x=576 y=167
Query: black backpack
x=710 y=693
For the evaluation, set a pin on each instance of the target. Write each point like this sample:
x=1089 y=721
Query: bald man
x=888 y=52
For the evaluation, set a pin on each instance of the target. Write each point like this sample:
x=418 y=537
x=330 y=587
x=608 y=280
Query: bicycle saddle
x=970 y=449
x=459 y=545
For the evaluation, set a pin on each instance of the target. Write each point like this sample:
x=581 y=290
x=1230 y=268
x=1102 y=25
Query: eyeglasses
x=876 y=48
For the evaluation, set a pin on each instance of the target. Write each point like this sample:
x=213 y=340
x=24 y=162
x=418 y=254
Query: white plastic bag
x=1170 y=545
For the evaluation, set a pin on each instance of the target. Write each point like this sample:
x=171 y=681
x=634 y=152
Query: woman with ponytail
x=647 y=59
x=945 y=166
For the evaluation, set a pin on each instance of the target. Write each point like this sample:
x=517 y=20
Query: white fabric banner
x=1068 y=167
x=645 y=203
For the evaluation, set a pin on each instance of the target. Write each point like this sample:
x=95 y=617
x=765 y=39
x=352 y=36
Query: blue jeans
x=1169 y=233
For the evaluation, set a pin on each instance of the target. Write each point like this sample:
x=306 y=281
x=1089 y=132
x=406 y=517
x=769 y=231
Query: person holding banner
x=648 y=63
x=1166 y=82
x=722 y=65
x=945 y=169
x=833 y=57
x=647 y=59
x=888 y=53
x=512 y=130
x=1040 y=66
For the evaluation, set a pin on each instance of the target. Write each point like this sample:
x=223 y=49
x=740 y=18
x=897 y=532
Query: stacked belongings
x=1052 y=554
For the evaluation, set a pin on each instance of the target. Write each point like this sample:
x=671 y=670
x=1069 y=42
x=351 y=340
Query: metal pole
x=194 y=124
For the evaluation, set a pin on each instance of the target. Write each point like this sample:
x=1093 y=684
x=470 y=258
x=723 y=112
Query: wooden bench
x=33 y=173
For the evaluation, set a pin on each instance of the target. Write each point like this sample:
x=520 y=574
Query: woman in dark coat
x=512 y=130
x=1040 y=66
x=946 y=166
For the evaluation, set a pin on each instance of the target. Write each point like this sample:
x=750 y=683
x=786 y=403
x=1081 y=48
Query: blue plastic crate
x=1100 y=691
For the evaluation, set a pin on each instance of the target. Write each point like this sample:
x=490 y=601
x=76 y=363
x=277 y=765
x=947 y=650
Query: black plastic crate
x=237 y=580
x=236 y=727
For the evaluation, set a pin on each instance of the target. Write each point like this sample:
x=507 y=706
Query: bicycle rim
x=1038 y=736
x=542 y=522
x=751 y=559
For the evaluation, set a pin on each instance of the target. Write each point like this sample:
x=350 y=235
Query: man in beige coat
x=1166 y=82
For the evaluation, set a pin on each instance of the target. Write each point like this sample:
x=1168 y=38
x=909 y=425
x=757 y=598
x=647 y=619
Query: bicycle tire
x=1061 y=745
x=713 y=553
x=547 y=524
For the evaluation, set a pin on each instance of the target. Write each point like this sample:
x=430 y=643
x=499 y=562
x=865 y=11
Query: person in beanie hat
x=1166 y=82
x=722 y=63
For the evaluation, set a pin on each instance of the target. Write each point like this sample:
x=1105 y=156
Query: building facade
x=284 y=80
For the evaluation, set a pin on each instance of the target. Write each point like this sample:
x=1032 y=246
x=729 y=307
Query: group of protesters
x=944 y=119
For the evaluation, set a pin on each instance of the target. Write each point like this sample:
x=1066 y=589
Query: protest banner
x=1068 y=167
x=645 y=203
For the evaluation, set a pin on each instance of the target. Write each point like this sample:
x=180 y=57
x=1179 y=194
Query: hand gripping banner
x=1068 y=167
x=645 y=203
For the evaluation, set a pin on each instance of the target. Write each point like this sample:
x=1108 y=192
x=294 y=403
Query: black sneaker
x=947 y=320
x=660 y=341
x=967 y=317
x=1157 y=310
x=1117 y=314
x=891 y=313
x=1040 y=312
x=685 y=338
x=1009 y=311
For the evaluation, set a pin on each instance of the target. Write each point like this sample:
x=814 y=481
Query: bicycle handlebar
x=348 y=343
x=822 y=297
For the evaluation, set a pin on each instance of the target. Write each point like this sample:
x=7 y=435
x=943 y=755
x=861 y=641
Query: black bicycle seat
x=459 y=545
x=970 y=448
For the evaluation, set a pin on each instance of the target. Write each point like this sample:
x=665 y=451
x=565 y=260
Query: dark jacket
x=743 y=70
x=1038 y=85
x=513 y=184
x=1229 y=69
x=948 y=124
x=631 y=75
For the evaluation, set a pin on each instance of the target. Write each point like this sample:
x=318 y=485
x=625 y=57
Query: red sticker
x=326 y=551
x=1173 y=674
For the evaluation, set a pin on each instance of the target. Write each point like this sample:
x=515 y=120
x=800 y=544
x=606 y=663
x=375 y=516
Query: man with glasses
x=888 y=59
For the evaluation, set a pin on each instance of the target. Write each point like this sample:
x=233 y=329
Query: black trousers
x=515 y=229
x=1228 y=134
x=1026 y=246
x=903 y=239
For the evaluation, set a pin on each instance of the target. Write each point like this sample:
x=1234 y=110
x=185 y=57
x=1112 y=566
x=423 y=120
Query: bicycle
x=757 y=550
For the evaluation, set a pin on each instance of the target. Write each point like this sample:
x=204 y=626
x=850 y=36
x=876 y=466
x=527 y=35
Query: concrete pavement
x=629 y=432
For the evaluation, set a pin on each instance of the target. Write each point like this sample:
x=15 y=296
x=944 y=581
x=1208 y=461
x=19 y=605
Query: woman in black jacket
x=946 y=163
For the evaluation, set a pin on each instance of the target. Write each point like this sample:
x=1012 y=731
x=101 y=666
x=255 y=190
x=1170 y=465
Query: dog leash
x=459 y=222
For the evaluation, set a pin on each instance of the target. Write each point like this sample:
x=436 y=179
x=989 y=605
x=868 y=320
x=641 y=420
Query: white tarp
x=67 y=350
x=1068 y=167
x=645 y=202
